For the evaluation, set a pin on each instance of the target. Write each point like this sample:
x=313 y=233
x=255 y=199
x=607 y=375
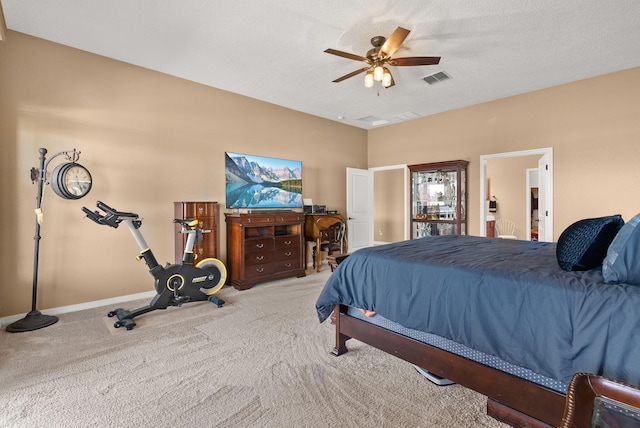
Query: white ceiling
x=274 y=51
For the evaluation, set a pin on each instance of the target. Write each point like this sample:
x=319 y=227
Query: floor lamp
x=67 y=183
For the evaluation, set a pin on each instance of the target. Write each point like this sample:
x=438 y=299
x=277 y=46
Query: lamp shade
x=368 y=79
x=378 y=71
x=386 y=78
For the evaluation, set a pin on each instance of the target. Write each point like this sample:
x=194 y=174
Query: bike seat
x=187 y=222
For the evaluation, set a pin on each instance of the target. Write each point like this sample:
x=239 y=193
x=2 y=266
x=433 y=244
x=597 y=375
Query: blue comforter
x=502 y=297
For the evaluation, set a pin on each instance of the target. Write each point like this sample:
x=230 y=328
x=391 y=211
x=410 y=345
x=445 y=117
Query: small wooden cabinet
x=491 y=229
x=263 y=247
x=439 y=198
x=207 y=214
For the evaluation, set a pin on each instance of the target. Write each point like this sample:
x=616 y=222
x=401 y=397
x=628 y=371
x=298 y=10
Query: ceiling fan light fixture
x=386 y=78
x=368 y=79
x=381 y=56
x=378 y=71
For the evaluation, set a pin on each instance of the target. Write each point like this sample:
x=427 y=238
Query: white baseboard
x=83 y=306
x=380 y=243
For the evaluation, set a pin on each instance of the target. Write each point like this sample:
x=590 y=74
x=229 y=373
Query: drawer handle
x=260 y=270
x=287 y=242
x=201 y=210
x=259 y=257
x=259 y=245
x=287 y=265
x=288 y=253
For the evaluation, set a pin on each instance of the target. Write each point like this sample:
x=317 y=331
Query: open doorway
x=504 y=180
x=377 y=206
x=532 y=211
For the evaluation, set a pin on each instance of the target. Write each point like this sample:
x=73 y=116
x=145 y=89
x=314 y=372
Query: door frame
x=529 y=172
x=483 y=183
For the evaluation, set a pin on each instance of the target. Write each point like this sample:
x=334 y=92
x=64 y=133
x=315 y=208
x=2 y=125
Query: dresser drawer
x=285 y=265
x=207 y=223
x=287 y=254
x=248 y=219
x=253 y=271
x=290 y=241
x=259 y=245
x=198 y=209
x=258 y=258
x=289 y=218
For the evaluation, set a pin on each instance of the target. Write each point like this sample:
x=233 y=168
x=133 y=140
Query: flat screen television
x=259 y=182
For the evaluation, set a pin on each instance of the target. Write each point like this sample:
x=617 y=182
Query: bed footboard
x=512 y=400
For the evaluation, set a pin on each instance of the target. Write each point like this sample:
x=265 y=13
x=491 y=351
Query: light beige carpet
x=262 y=360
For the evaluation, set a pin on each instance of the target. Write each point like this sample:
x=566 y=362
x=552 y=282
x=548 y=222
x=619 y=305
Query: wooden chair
x=595 y=401
x=331 y=239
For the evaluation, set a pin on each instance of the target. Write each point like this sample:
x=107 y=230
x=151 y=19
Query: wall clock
x=71 y=180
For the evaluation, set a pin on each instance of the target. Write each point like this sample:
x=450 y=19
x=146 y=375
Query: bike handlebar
x=111 y=216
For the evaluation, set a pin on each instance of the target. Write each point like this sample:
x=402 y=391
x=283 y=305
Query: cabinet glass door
x=435 y=195
x=438 y=199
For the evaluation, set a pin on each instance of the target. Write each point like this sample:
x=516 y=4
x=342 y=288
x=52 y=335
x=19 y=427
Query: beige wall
x=592 y=125
x=149 y=140
x=389 y=210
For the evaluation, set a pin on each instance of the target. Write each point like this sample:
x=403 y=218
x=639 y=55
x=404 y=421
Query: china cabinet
x=439 y=198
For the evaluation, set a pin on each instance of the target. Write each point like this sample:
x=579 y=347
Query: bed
x=498 y=316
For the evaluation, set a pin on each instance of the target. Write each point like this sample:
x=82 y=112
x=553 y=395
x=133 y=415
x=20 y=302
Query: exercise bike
x=175 y=284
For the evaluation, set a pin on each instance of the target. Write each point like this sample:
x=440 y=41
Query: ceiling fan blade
x=353 y=73
x=347 y=55
x=394 y=41
x=415 y=60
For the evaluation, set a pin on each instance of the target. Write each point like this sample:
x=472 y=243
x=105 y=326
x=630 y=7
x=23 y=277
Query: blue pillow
x=584 y=244
x=622 y=263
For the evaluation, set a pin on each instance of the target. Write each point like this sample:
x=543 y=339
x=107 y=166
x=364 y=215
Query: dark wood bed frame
x=510 y=399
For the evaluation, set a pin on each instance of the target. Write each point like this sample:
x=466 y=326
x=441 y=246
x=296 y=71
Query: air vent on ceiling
x=436 y=77
x=407 y=116
x=373 y=121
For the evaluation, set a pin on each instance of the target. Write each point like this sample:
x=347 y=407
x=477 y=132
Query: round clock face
x=70 y=180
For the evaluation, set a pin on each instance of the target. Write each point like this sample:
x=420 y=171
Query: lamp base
x=32 y=321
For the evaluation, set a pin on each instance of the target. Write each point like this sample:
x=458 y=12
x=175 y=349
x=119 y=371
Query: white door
x=359 y=209
x=545 y=219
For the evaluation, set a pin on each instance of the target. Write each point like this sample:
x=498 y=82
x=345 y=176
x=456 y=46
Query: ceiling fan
x=379 y=58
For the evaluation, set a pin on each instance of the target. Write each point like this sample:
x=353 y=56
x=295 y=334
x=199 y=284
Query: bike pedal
x=179 y=300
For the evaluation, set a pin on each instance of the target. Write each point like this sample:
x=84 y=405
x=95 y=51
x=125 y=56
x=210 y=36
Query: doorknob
x=350 y=218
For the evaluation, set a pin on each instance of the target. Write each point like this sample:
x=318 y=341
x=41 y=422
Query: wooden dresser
x=263 y=247
x=207 y=214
